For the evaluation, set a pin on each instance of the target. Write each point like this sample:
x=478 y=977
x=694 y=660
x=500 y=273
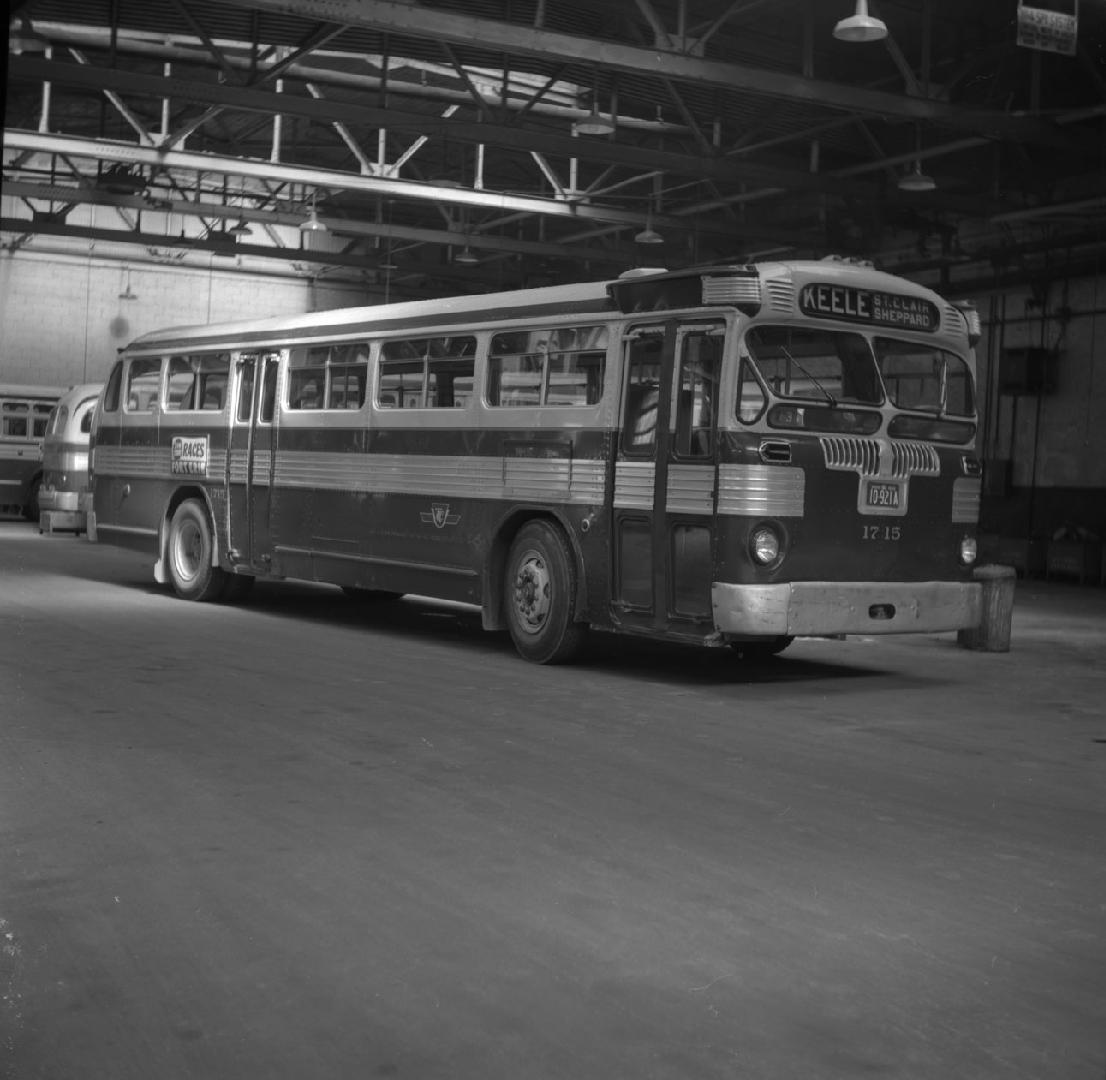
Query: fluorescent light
x=860 y=26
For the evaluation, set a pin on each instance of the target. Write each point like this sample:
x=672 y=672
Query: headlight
x=764 y=545
x=968 y=550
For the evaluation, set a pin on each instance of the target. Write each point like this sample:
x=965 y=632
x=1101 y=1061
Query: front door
x=666 y=478
x=250 y=460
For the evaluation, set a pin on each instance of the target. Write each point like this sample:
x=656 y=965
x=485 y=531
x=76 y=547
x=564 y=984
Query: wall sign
x=1049 y=25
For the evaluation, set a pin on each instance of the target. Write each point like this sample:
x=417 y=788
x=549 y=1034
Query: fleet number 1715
x=882 y=532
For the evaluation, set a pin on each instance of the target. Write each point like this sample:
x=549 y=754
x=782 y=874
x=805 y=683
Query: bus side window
x=143 y=383
x=751 y=398
x=180 y=388
x=40 y=418
x=111 y=392
x=268 y=390
x=14 y=423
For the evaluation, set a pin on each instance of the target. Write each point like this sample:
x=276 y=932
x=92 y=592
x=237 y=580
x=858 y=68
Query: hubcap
x=533 y=593
x=188 y=550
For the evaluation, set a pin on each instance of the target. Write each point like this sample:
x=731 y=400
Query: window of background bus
x=426 y=373
x=328 y=376
x=562 y=366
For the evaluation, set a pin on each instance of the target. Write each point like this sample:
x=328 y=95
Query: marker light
x=764 y=545
x=968 y=550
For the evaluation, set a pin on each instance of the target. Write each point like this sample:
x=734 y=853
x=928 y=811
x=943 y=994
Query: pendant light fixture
x=916 y=180
x=649 y=235
x=313 y=224
x=593 y=123
x=860 y=26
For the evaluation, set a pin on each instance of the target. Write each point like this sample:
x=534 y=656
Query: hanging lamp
x=860 y=26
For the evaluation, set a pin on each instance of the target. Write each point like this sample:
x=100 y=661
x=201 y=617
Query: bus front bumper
x=851 y=607
x=52 y=499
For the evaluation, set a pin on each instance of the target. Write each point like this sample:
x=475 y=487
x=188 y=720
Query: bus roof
x=550 y=300
x=25 y=390
x=587 y=299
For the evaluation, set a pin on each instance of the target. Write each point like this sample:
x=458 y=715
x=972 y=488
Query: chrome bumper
x=852 y=607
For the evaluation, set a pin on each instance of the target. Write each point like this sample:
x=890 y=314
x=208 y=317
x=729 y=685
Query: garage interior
x=295 y=840
x=190 y=162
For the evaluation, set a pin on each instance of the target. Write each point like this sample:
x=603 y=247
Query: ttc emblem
x=439 y=516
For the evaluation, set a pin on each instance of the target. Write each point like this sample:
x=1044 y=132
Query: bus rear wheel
x=191 y=544
x=539 y=591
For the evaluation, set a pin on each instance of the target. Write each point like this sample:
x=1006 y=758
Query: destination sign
x=826 y=301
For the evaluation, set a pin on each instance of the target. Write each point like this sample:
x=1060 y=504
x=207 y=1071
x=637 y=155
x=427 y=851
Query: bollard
x=996 y=610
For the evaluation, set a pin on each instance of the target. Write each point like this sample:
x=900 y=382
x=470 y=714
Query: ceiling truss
x=412 y=132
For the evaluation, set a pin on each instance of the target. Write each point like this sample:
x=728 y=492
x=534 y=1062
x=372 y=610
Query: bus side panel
x=416 y=510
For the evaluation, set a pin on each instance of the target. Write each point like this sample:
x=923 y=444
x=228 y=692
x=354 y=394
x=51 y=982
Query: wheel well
x=492 y=608
x=161 y=575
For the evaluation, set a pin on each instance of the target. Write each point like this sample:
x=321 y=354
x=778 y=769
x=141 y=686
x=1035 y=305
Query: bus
x=24 y=412
x=726 y=455
x=63 y=496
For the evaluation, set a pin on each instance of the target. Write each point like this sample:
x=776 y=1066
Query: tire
x=759 y=651
x=190 y=548
x=539 y=594
x=236 y=588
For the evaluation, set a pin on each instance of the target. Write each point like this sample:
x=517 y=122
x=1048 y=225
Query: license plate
x=884 y=495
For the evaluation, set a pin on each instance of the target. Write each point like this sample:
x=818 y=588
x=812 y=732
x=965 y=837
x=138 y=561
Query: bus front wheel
x=539 y=595
x=191 y=544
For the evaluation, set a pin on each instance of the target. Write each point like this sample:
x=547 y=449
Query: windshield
x=830 y=366
x=924 y=378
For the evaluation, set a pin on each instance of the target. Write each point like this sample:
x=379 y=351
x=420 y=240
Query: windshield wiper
x=829 y=397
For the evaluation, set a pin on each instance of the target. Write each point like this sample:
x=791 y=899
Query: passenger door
x=250 y=460
x=666 y=477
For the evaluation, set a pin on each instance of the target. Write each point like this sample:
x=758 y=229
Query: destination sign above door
x=869 y=306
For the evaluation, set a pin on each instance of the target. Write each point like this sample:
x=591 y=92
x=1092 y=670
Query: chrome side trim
x=690 y=489
x=761 y=490
x=633 y=485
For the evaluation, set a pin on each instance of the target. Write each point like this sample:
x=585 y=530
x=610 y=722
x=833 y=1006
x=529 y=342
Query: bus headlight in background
x=765 y=545
x=968 y=550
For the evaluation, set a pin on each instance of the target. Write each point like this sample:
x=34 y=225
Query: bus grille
x=853 y=454
x=914 y=459
x=781 y=295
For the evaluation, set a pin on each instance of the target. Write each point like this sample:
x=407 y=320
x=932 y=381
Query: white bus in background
x=63 y=493
x=24 y=412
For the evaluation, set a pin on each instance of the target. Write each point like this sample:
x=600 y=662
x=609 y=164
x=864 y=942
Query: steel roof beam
x=719 y=169
x=404 y=18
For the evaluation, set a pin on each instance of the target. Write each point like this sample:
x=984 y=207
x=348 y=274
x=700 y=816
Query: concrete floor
x=298 y=839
